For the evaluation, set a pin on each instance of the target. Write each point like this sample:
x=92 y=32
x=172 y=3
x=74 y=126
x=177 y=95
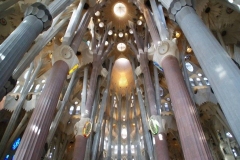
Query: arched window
x=189 y=67
x=191 y=82
x=199 y=81
x=206 y=81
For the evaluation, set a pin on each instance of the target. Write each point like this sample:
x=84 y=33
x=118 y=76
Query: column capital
x=164 y=49
x=174 y=6
x=80 y=126
x=66 y=54
x=155 y=124
x=40 y=11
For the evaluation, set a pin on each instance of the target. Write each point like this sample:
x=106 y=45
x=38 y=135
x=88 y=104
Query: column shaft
x=14 y=47
x=119 y=127
x=79 y=147
x=192 y=138
x=144 y=118
x=109 y=149
x=161 y=147
x=84 y=89
x=36 y=132
x=93 y=115
x=216 y=64
x=128 y=120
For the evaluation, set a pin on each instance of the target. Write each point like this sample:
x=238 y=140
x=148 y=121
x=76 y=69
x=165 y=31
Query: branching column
x=109 y=149
x=161 y=145
x=98 y=58
x=119 y=106
x=144 y=117
x=128 y=120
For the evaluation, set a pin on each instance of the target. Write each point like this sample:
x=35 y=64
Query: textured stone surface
x=216 y=64
x=192 y=138
x=41 y=12
x=35 y=135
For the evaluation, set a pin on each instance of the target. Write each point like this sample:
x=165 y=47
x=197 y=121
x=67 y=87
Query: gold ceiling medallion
x=87 y=129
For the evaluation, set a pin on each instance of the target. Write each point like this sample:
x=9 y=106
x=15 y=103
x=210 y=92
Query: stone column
x=95 y=107
x=13 y=120
x=109 y=149
x=119 y=127
x=58 y=116
x=101 y=113
x=35 y=135
x=57 y=147
x=98 y=58
x=157 y=90
x=17 y=43
x=84 y=89
x=37 y=19
x=191 y=134
x=37 y=47
x=137 y=133
x=101 y=145
x=146 y=134
x=214 y=60
x=128 y=120
x=143 y=59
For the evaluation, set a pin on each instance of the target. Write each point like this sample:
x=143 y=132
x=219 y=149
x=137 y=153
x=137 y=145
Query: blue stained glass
x=6 y=158
x=16 y=143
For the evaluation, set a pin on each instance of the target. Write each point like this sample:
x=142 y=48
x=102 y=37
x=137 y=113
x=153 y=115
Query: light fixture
x=189 y=49
x=119 y=9
x=130 y=31
x=110 y=32
x=121 y=47
x=106 y=43
x=101 y=24
x=120 y=34
x=139 y=22
x=177 y=34
x=97 y=13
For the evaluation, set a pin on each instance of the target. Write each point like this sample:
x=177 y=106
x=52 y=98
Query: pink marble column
x=192 y=138
x=35 y=135
x=161 y=146
x=79 y=147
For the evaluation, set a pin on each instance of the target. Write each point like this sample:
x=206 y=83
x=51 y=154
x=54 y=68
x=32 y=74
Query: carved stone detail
x=174 y=6
x=78 y=128
x=164 y=49
x=41 y=12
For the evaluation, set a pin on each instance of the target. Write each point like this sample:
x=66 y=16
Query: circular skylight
x=120 y=34
x=97 y=13
x=110 y=32
x=139 y=22
x=121 y=47
x=130 y=31
x=120 y=9
x=101 y=24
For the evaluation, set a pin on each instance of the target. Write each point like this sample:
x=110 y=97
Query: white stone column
x=219 y=68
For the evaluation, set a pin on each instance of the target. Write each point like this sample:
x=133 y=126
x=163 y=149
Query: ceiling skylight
x=119 y=9
x=121 y=47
